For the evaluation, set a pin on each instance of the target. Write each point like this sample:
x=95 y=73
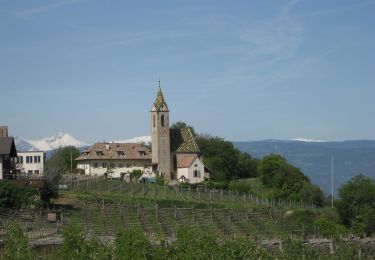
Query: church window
x=195 y=173
x=162 y=120
x=153 y=120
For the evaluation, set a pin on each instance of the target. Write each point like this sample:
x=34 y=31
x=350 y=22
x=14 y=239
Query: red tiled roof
x=186 y=161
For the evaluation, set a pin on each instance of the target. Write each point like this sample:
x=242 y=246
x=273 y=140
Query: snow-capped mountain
x=49 y=143
x=306 y=140
x=140 y=139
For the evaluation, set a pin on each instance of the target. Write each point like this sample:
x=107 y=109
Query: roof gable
x=7 y=146
x=186 y=161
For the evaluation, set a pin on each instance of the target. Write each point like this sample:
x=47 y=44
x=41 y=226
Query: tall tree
x=356 y=204
x=62 y=159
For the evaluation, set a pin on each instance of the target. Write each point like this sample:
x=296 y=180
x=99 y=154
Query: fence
x=100 y=186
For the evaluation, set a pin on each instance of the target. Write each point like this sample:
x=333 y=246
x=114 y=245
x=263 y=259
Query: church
x=174 y=153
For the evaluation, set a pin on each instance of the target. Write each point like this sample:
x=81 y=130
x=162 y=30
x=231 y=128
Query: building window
x=121 y=165
x=104 y=165
x=99 y=153
x=162 y=120
x=29 y=172
x=20 y=159
x=153 y=120
x=36 y=171
x=120 y=153
x=95 y=165
x=29 y=159
x=36 y=159
x=196 y=173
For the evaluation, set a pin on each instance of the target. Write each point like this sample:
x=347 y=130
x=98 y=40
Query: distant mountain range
x=48 y=144
x=314 y=158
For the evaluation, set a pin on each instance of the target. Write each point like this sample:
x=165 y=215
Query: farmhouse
x=174 y=153
x=115 y=159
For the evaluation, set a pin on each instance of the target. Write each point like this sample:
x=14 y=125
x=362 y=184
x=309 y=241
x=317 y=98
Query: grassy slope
x=107 y=206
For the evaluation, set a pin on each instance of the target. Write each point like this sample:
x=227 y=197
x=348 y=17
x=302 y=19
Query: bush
x=16 y=244
x=132 y=244
x=13 y=197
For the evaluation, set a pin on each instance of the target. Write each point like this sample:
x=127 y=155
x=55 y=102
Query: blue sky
x=243 y=70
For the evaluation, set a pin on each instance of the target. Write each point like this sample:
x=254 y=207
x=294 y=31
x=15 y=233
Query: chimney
x=3 y=131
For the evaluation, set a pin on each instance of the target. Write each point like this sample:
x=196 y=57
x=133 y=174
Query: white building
x=115 y=159
x=30 y=162
x=190 y=169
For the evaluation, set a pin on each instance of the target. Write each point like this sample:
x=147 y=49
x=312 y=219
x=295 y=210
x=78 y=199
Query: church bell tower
x=160 y=138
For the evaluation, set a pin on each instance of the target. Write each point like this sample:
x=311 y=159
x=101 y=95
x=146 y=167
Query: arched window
x=153 y=120
x=162 y=120
x=196 y=173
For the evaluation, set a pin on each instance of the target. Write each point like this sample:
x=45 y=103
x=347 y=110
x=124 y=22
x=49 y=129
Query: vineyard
x=103 y=207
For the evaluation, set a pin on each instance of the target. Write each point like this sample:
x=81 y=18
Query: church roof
x=159 y=101
x=118 y=151
x=183 y=141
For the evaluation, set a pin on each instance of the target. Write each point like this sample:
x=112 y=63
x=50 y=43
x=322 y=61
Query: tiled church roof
x=183 y=141
x=120 y=151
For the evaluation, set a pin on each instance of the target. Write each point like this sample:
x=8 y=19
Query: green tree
x=16 y=244
x=62 y=159
x=356 y=204
x=180 y=124
x=287 y=181
x=12 y=197
x=226 y=161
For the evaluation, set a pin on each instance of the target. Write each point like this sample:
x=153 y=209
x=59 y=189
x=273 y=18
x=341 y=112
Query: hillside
x=314 y=158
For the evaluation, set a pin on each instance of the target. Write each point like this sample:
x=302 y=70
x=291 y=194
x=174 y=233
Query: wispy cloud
x=338 y=10
x=45 y=8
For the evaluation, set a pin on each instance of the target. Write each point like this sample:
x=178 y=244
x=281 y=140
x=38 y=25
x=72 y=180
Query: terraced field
x=107 y=205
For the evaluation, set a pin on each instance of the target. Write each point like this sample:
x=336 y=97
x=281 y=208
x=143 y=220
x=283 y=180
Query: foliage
x=328 y=228
x=12 y=196
x=295 y=249
x=242 y=185
x=51 y=185
x=288 y=181
x=78 y=245
x=356 y=204
x=62 y=159
x=242 y=248
x=135 y=175
x=132 y=244
x=16 y=244
x=194 y=244
x=180 y=124
x=225 y=160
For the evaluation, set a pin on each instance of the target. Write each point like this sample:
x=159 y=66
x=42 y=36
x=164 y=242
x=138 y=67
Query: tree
x=180 y=124
x=356 y=204
x=287 y=181
x=50 y=189
x=62 y=159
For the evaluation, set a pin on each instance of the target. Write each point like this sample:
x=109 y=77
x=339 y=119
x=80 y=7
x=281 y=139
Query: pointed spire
x=159 y=102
